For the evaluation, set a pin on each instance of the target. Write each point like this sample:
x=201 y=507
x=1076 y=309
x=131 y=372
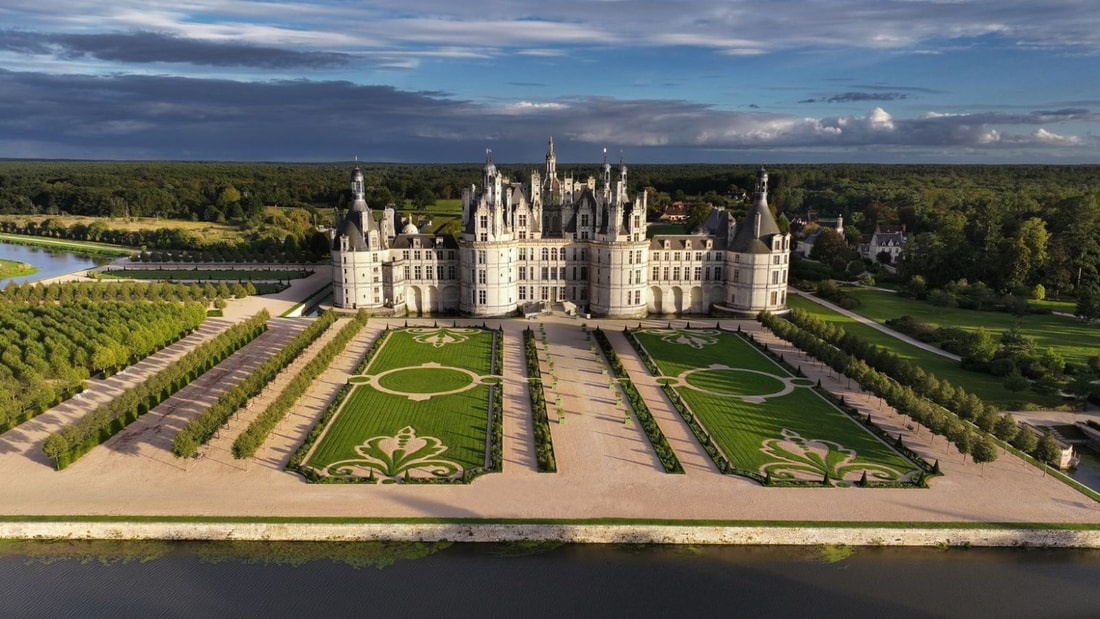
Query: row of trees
x=253 y=437
x=202 y=428
x=65 y=293
x=106 y=420
x=544 y=443
x=652 y=431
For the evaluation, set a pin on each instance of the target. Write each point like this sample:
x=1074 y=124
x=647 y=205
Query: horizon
x=923 y=81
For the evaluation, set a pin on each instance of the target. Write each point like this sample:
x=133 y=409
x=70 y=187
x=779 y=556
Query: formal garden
x=424 y=407
x=755 y=418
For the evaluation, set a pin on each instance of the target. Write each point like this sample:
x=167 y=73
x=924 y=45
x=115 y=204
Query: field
x=208 y=231
x=1075 y=340
x=421 y=409
x=12 y=268
x=985 y=386
x=764 y=419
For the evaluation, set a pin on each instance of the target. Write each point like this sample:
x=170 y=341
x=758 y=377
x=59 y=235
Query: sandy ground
x=606 y=467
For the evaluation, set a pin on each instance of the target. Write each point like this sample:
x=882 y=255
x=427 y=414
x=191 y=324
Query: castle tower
x=758 y=257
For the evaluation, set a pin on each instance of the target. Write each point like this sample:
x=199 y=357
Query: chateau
x=559 y=240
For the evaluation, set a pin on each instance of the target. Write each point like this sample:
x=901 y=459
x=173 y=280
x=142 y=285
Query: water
x=297 y=580
x=50 y=262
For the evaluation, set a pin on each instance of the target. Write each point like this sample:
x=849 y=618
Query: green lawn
x=390 y=434
x=985 y=386
x=458 y=420
x=797 y=435
x=1073 y=339
x=425 y=380
x=463 y=347
x=14 y=268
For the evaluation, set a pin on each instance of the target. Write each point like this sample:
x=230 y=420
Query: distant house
x=886 y=238
x=675 y=212
x=806 y=244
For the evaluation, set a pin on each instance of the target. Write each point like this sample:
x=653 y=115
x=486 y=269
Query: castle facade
x=551 y=240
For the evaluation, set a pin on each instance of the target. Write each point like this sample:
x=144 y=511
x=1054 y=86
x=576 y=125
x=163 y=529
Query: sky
x=652 y=81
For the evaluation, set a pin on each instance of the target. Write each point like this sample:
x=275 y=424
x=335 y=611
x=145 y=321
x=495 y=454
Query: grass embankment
x=14 y=268
x=83 y=247
x=986 y=386
x=205 y=274
x=210 y=232
x=1070 y=337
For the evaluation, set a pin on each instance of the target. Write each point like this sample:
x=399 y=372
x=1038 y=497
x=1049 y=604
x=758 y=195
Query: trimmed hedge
x=257 y=432
x=202 y=428
x=79 y=437
x=652 y=431
x=544 y=444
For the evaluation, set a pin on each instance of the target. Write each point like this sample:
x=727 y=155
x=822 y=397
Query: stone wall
x=566 y=532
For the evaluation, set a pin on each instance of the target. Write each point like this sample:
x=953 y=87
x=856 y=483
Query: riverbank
x=586 y=532
x=16 y=268
x=84 y=247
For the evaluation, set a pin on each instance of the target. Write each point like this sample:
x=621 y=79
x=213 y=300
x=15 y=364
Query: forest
x=1009 y=227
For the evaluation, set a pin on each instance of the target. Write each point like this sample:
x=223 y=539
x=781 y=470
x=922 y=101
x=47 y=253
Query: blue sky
x=957 y=81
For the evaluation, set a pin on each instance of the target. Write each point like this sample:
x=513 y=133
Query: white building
x=556 y=240
x=888 y=239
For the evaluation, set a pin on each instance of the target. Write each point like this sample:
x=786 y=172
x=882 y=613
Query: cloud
x=142 y=47
x=849 y=97
x=164 y=117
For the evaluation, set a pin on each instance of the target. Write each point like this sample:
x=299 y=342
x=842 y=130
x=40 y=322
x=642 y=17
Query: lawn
x=413 y=432
x=1075 y=340
x=797 y=435
x=985 y=386
x=14 y=268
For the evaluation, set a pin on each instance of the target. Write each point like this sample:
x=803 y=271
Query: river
x=183 y=579
x=50 y=262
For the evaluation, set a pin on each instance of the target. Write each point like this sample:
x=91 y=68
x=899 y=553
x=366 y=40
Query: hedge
x=202 y=428
x=78 y=438
x=257 y=432
x=544 y=444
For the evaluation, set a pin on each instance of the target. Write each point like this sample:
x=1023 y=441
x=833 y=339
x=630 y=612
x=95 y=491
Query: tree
x=1005 y=428
x=1048 y=451
x=1025 y=440
x=984 y=450
x=1088 y=302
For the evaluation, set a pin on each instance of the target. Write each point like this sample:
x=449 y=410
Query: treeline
x=202 y=428
x=257 y=432
x=79 y=437
x=938 y=405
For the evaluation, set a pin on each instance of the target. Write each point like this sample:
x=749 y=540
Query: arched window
x=545 y=253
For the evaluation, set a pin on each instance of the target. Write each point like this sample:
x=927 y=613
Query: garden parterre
x=762 y=418
x=419 y=412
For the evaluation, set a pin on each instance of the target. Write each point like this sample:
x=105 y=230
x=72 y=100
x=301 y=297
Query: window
x=637 y=297
x=584 y=220
x=654 y=255
x=737 y=257
x=775 y=277
x=416 y=255
x=417 y=271
x=522 y=220
x=481 y=297
x=676 y=273
x=574 y=253
x=584 y=293
x=450 y=254
x=545 y=253
x=439 y=271
x=574 y=272
x=638 y=256
x=544 y=291
x=405 y=254
x=481 y=276
x=736 y=275
x=630 y=257
x=775 y=297
x=676 y=256
x=406 y=272
x=523 y=293
x=784 y=278
x=637 y=276
x=666 y=273
x=666 y=253
x=484 y=222
x=523 y=273
x=451 y=272
x=522 y=253
x=775 y=259
x=698 y=255
x=483 y=237
x=522 y=235
x=718 y=273
x=553 y=272
x=698 y=273
x=656 y=273
x=584 y=272
x=482 y=256
x=545 y=273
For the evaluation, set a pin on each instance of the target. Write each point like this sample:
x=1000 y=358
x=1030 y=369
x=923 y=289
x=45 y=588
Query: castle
x=559 y=240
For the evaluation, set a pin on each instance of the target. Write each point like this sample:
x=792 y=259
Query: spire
x=606 y=170
x=551 y=163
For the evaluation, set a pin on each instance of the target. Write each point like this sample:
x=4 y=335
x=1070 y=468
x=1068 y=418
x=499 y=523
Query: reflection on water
x=141 y=579
x=50 y=262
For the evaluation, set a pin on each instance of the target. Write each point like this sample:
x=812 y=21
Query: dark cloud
x=856 y=97
x=163 y=117
x=142 y=47
x=530 y=84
